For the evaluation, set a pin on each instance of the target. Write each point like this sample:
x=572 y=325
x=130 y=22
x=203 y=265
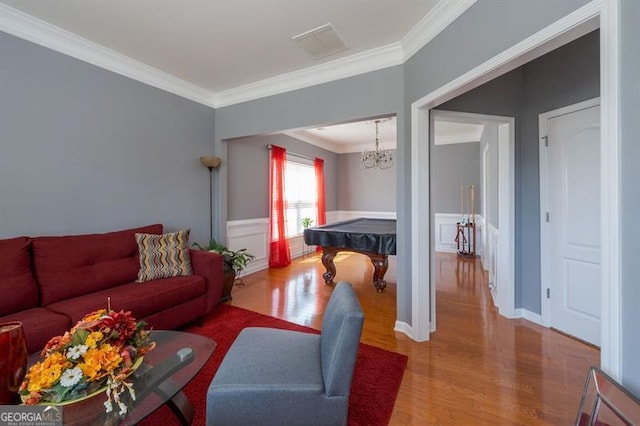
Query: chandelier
x=381 y=159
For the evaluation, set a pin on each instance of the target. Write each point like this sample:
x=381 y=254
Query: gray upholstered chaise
x=282 y=377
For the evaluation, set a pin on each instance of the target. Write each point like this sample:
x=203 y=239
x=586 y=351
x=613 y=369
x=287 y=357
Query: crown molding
x=433 y=23
x=360 y=63
x=311 y=140
x=27 y=27
x=35 y=30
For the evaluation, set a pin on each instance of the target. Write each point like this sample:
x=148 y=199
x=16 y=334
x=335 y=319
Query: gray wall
x=86 y=150
x=484 y=30
x=453 y=166
x=563 y=77
x=248 y=177
x=365 y=189
x=630 y=194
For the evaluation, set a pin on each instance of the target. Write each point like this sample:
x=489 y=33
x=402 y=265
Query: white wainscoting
x=253 y=234
x=333 y=217
x=490 y=260
x=481 y=228
x=445 y=232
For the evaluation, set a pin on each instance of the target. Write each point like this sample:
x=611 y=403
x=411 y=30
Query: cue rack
x=466 y=227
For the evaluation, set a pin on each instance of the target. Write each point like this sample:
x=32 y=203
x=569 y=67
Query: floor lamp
x=210 y=163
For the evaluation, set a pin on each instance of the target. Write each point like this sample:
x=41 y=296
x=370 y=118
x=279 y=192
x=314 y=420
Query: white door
x=574 y=223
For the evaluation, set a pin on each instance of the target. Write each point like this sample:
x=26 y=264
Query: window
x=301 y=195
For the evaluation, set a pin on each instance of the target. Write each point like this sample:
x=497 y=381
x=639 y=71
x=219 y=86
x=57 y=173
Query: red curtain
x=322 y=211
x=279 y=255
x=318 y=163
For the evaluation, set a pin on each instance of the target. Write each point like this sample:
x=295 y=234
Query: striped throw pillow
x=163 y=256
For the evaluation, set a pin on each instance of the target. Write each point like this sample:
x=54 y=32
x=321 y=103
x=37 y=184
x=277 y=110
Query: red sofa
x=49 y=283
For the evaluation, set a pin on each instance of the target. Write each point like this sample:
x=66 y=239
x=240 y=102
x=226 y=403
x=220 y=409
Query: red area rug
x=375 y=383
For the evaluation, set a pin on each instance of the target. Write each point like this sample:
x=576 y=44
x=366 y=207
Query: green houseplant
x=234 y=263
x=306 y=222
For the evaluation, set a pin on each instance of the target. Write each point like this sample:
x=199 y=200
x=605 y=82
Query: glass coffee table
x=176 y=359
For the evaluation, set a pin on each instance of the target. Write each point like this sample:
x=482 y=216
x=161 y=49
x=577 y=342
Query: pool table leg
x=380 y=266
x=328 y=253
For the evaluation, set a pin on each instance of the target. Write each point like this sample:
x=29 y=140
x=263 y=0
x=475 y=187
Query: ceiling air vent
x=320 y=42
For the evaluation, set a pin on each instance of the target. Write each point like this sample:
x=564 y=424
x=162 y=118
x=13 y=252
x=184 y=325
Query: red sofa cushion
x=39 y=325
x=71 y=266
x=16 y=278
x=142 y=299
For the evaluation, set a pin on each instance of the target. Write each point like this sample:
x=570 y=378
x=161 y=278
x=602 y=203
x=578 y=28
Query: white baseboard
x=528 y=315
x=256 y=265
x=403 y=327
x=490 y=259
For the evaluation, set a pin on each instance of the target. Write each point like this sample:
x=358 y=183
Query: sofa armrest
x=209 y=266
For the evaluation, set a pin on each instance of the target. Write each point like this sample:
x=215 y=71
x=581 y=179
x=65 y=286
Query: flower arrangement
x=100 y=351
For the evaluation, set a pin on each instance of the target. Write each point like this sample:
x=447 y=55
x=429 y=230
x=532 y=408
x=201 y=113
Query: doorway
x=496 y=224
x=570 y=219
x=603 y=15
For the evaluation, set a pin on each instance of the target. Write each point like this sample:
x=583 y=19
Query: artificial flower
x=56 y=343
x=98 y=352
x=70 y=377
x=93 y=339
x=75 y=352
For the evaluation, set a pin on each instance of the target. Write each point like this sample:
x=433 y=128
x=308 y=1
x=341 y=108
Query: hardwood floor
x=478 y=368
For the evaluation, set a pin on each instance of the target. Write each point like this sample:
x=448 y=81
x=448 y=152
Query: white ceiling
x=350 y=137
x=361 y=135
x=448 y=132
x=221 y=44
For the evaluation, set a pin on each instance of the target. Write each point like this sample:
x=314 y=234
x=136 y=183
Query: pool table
x=375 y=238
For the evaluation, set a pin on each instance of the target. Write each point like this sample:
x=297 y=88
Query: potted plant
x=306 y=222
x=234 y=263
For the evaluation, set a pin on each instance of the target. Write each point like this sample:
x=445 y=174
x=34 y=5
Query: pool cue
x=473 y=203
x=469 y=237
x=473 y=216
x=461 y=205
x=468 y=218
